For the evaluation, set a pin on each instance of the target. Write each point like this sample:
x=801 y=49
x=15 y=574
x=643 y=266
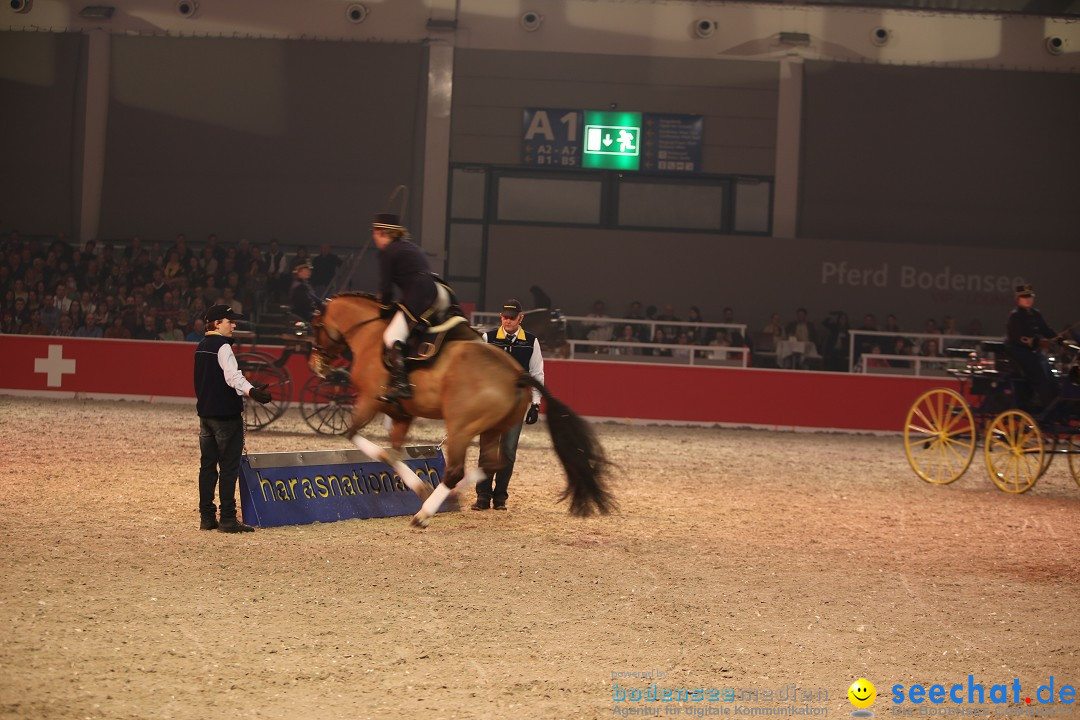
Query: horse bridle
x=339 y=345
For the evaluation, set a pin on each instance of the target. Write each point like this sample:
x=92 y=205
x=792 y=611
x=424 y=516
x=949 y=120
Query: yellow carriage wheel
x=939 y=436
x=1074 y=457
x=1015 y=451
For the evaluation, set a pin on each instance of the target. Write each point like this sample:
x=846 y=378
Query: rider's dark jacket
x=403 y=264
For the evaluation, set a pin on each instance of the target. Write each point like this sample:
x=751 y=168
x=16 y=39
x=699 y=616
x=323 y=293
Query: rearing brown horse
x=473 y=387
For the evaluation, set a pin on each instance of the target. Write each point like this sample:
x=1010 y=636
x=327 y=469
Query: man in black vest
x=525 y=348
x=1026 y=332
x=220 y=387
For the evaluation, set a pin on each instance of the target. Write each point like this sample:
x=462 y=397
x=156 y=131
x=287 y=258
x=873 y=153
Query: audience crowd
x=144 y=291
x=798 y=343
x=155 y=291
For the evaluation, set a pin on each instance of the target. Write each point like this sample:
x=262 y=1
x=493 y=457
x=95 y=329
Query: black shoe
x=209 y=522
x=232 y=525
x=481 y=504
x=499 y=505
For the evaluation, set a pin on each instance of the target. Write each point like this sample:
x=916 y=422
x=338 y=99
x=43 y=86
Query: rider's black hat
x=1024 y=291
x=387 y=221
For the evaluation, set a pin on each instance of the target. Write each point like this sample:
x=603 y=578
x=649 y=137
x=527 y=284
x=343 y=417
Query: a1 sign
x=612 y=140
x=551 y=137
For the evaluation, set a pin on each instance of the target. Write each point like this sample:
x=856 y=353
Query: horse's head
x=326 y=344
x=332 y=325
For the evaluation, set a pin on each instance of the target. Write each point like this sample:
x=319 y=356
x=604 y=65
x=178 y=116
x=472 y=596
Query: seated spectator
x=627 y=335
x=774 y=327
x=198 y=330
x=668 y=315
x=801 y=328
x=20 y=314
x=50 y=314
x=948 y=326
x=734 y=336
x=7 y=324
x=684 y=350
x=76 y=313
x=117 y=330
x=660 y=338
x=720 y=338
x=228 y=297
x=700 y=336
x=172 y=268
x=876 y=362
x=599 y=331
x=35 y=326
x=90 y=328
x=902 y=346
x=66 y=328
x=170 y=331
x=147 y=330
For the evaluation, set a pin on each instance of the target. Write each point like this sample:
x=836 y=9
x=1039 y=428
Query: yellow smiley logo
x=862 y=693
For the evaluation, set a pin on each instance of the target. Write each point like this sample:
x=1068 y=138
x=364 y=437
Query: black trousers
x=1036 y=369
x=508 y=445
x=221 y=440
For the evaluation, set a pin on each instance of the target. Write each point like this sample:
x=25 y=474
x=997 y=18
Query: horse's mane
x=358 y=294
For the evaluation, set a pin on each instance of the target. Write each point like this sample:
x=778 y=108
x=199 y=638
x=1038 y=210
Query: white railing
x=695 y=355
x=917 y=365
x=944 y=342
x=491 y=319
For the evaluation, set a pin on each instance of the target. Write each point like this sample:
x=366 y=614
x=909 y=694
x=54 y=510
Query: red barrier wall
x=768 y=398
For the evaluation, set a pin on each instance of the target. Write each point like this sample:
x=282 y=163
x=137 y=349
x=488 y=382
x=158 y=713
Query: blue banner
x=672 y=143
x=292 y=488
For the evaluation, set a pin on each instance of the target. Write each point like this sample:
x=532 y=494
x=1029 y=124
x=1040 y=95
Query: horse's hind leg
x=453 y=481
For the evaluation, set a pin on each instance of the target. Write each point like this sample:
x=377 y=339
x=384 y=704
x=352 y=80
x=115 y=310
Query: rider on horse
x=423 y=297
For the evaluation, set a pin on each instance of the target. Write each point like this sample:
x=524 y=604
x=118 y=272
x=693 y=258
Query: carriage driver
x=1026 y=332
x=403 y=264
x=525 y=348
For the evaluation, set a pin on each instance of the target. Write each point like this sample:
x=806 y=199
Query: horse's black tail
x=581 y=454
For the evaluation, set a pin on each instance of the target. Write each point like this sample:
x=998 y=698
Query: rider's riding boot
x=399 y=386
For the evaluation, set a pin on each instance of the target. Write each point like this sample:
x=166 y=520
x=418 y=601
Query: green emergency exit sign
x=612 y=140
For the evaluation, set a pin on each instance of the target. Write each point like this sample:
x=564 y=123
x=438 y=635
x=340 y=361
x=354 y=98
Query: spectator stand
x=862 y=359
x=584 y=346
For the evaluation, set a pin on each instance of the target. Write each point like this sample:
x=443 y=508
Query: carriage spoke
x=929 y=423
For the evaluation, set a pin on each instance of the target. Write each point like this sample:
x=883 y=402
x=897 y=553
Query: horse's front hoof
x=419 y=520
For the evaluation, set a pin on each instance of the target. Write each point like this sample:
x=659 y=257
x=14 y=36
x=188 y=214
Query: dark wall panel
x=256 y=138
x=942 y=156
x=38 y=87
x=737 y=99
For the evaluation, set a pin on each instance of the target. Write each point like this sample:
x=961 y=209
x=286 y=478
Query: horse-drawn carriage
x=997 y=408
x=325 y=402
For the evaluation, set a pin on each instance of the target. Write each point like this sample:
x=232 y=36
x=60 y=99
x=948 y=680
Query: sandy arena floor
x=740 y=559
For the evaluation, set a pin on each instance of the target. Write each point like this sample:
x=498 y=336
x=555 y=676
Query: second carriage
x=995 y=409
x=325 y=403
